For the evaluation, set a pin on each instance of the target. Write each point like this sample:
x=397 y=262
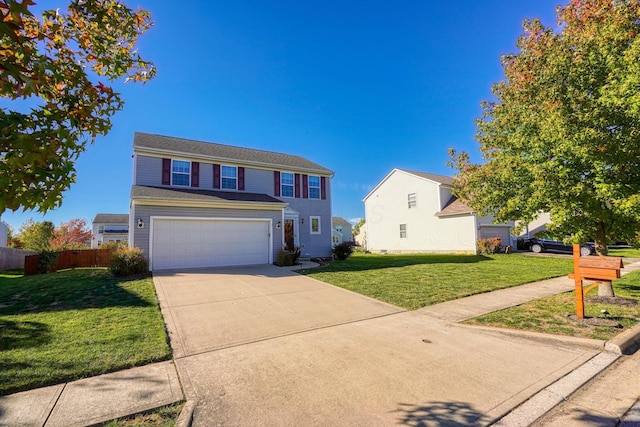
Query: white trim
x=181 y=173
x=198 y=218
x=222 y=177
x=311 y=218
x=293 y=185
x=319 y=187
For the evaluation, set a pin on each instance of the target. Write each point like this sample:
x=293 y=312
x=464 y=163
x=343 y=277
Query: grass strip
x=554 y=314
x=416 y=281
x=76 y=323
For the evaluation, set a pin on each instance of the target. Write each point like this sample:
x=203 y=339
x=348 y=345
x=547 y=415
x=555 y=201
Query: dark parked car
x=543 y=245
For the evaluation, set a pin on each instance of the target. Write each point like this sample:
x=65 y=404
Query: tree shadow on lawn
x=22 y=334
x=39 y=296
x=376 y=262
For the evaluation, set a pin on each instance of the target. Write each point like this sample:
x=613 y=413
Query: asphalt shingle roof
x=223 y=152
x=338 y=220
x=433 y=177
x=111 y=218
x=455 y=207
x=165 y=193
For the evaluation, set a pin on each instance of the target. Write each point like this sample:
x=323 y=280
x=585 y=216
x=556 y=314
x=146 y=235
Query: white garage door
x=192 y=243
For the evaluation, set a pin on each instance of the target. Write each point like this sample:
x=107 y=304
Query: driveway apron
x=259 y=346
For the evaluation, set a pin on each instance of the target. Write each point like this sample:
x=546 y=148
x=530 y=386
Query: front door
x=289 y=235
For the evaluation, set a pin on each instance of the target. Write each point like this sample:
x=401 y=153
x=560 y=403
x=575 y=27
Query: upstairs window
x=412 y=201
x=314 y=187
x=229 y=177
x=403 y=231
x=181 y=173
x=286 y=184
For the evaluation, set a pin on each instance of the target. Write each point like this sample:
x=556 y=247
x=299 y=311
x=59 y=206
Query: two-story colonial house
x=199 y=204
x=413 y=212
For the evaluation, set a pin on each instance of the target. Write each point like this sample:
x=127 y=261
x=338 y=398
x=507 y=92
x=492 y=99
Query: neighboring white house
x=4 y=232
x=109 y=228
x=342 y=230
x=415 y=212
x=536 y=226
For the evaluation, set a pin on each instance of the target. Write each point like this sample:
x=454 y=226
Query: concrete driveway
x=262 y=346
x=211 y=309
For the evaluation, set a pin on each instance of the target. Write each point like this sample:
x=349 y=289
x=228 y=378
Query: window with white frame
x=412 y=200
x=229 y=177
x=180 y=173
x=403 y=231
x=314 y=187
x=314 y=223
x=286 y=184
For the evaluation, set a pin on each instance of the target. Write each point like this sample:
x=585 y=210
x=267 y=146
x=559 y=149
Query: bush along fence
x=50 y=261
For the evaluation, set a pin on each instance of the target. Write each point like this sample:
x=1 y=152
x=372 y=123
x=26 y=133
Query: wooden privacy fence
x=70 y=259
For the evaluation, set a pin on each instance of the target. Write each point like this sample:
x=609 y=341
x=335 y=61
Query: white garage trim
x=153 y=219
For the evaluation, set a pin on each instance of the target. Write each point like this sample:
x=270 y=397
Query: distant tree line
x=43 y=235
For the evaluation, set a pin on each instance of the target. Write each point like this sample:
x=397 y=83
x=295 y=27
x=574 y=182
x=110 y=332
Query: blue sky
x=358 y=87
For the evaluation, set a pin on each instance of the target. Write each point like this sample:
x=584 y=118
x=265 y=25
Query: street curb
x=186 y=415
x=549 y=397
x=588 y=343
x=625 y=343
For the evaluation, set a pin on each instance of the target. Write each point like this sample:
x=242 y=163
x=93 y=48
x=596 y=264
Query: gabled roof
x=338 y=220
x=440 y=179
x=103 y=218
x=437 y=179
x=219 y=152
x=455 y=207
x=139 y=192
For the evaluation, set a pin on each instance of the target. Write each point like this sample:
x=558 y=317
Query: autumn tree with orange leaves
x=563 y=132
x=73 y=234
x=61 y=64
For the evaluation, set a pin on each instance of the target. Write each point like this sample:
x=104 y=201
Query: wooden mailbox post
x=601 y=269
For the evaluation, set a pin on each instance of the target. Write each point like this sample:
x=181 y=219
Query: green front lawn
x=626 y=252
x=73 y=324
x=415 y=281
x=552 y=314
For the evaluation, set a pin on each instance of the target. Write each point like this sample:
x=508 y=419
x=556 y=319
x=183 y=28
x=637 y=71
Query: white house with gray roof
x=200 y=204
x=415 y=212
x=109 y=228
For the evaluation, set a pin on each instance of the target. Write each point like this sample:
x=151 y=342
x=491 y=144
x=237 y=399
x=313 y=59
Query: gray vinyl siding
x=314 y=245
x=141 y=235
x=258 y=181
x=148 y=170
x=149 y=173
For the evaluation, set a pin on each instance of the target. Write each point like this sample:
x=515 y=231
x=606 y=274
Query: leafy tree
x=36 y=236
x=56 y=64
x=563 y=133
x=358 y=226
x=73 y=234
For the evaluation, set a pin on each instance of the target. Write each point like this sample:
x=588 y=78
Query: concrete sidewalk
x=94 y=400
x=610 y=395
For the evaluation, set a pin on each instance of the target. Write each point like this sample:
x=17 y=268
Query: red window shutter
x=305 y=186
x=240 y=178
x=323 y=188
x=297 y=185
x=216 y=176
x=195 y=174
x=276 y=183
x=166 y=171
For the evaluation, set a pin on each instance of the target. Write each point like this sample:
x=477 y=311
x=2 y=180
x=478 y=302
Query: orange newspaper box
x=599 y=269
